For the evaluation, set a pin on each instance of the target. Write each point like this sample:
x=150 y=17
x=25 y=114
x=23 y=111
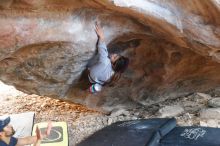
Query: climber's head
x=119 y=63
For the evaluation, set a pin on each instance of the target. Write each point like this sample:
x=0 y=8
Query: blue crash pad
x=145 y=132
x=192 y=136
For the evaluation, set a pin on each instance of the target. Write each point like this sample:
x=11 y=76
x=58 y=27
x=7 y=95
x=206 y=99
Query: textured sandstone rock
x=173 y=47
x=171 y=111
x=210 y=113
x=210 y=123
x=215 y=102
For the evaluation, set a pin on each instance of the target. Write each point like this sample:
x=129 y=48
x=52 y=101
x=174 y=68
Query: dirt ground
x=46 y=109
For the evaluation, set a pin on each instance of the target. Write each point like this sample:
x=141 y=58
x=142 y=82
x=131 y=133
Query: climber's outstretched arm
x=102 y=48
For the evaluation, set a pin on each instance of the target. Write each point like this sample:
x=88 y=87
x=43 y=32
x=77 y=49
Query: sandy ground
x=46 y=109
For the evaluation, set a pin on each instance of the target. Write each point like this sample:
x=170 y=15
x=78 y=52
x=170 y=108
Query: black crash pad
x=192 y=136
x=145 y=132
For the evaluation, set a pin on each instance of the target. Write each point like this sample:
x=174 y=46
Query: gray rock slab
x=171 y=111
x=210 y=113
x=215 y=102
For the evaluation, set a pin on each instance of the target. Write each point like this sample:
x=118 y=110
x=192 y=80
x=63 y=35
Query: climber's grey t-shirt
x=102 y=70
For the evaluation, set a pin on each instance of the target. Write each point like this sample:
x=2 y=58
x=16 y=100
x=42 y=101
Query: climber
x=108 y=68
x=7 y=132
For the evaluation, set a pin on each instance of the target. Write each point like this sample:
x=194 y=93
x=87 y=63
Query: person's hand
x=99 y=31
x=38 y=134
x=49 y=126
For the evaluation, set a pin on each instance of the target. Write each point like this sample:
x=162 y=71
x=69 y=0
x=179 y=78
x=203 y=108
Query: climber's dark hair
x=121 y=64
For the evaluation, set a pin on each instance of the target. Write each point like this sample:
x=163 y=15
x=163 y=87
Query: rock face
x=171 y=111
x=215 y=102
x=174 y=48
x=210 y=113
